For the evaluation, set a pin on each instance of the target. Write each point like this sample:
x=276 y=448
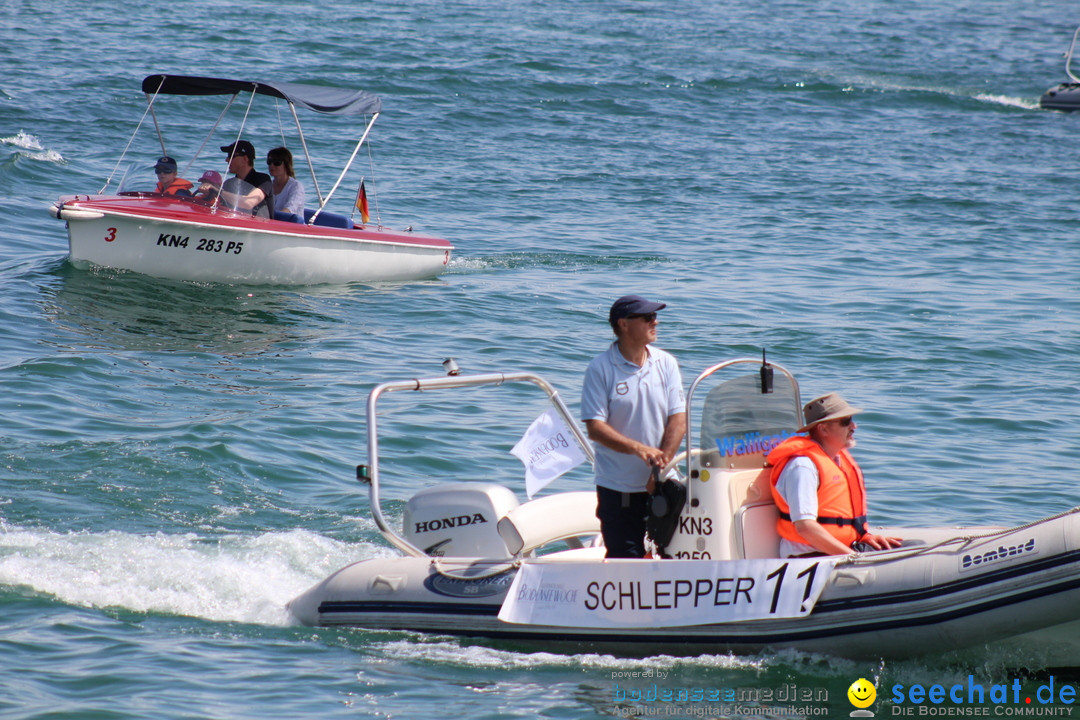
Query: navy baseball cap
x=165 y=164
x=629 y=305
x=242 y=147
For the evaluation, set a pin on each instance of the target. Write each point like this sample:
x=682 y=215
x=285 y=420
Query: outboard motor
x=459 y=520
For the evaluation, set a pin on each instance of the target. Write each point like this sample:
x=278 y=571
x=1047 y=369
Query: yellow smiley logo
x=862 y=693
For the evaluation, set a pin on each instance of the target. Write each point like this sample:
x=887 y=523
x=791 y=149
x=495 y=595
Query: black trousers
x=622 y=521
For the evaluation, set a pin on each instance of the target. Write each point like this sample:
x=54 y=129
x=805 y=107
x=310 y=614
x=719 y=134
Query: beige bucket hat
x=826 y=407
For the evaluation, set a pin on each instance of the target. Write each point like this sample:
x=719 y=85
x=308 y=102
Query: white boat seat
x=549 y=519
x=755 y=530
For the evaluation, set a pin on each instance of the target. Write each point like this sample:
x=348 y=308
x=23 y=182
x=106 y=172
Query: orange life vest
x=841 y=492
x=175 y=186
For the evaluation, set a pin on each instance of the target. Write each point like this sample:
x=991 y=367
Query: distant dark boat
x=1065 y=96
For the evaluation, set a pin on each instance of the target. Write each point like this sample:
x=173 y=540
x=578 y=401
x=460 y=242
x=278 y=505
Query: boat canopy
x=338 y=101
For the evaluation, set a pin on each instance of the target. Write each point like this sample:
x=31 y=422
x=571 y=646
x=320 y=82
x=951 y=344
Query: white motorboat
x=1065 y=96
x=476 y=561
x=187 y=238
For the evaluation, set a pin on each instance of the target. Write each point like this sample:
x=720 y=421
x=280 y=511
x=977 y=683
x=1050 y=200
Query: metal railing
x=444 y=383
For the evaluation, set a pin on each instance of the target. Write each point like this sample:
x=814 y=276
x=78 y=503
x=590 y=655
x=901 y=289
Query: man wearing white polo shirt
x=634 y=410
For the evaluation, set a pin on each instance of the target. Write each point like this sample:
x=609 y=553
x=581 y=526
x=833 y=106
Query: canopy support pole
x=307 y=155
x=347 y=166
x=239 y=134
x=210 y=134
x=149 y=106
x=157 y=128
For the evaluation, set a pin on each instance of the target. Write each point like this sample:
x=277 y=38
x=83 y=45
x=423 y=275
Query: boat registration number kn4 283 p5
x=231 y=247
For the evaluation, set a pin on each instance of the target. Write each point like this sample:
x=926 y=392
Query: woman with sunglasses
x=819 y=488
x=289 y=194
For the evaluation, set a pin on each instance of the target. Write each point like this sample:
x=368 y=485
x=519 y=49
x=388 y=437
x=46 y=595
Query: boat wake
x=1018 y=102
x=228 y=578
x=884 y=84
x=27 y=142
x=451 y=652
x=558 y=260
x=986 y=665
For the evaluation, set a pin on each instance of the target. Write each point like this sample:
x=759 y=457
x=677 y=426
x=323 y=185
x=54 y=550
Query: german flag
x=361 y=204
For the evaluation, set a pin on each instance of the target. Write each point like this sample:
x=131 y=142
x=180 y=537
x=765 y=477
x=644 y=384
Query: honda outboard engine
x=459 y=519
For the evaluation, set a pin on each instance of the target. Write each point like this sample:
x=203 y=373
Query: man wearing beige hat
x=819 y=487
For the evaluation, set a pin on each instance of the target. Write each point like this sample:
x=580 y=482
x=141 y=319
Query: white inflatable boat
x=478 y=562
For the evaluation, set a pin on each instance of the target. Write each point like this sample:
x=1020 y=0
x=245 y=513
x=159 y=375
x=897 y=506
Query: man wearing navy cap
x=248 y=190
x=634 y=410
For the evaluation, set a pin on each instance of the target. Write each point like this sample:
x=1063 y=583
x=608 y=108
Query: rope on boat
x=149 y=106
x=964 y=540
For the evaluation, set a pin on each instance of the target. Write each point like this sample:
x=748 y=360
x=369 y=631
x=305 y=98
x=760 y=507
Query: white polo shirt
x=635 y=401
x=798 y=485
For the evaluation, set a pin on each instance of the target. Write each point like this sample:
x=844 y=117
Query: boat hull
x=943 y=596
x=181 y=240
x=1065 y=96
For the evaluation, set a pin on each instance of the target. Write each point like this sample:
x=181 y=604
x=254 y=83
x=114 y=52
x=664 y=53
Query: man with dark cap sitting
x=634 y=410
x=248 y=190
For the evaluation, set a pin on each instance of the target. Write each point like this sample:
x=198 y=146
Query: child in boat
x=168 y=183
x=209 y=186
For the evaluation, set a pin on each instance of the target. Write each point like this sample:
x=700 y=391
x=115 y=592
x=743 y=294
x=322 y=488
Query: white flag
x=548 y=449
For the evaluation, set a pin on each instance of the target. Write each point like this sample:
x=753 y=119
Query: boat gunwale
x=106 y=206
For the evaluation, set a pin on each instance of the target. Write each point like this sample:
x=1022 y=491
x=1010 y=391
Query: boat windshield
x=740 y=424
x=141 y=178
x=137 y=177
x=236 y=195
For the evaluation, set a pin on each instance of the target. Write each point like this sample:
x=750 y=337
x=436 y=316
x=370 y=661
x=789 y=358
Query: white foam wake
x=221 y=578
x=1025 y=103
x=25 y=141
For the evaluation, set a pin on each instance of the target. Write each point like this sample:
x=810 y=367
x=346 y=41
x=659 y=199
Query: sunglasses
x=164 y=172
x=845 y=422
x=275 y=162
x=647 y=317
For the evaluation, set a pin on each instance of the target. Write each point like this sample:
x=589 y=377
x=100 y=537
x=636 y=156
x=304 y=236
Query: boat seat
x=755 y=530
x=328 y=219
x=549 y=519
x=288 y=217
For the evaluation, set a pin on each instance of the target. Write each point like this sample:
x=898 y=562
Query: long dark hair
x=282 y=154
